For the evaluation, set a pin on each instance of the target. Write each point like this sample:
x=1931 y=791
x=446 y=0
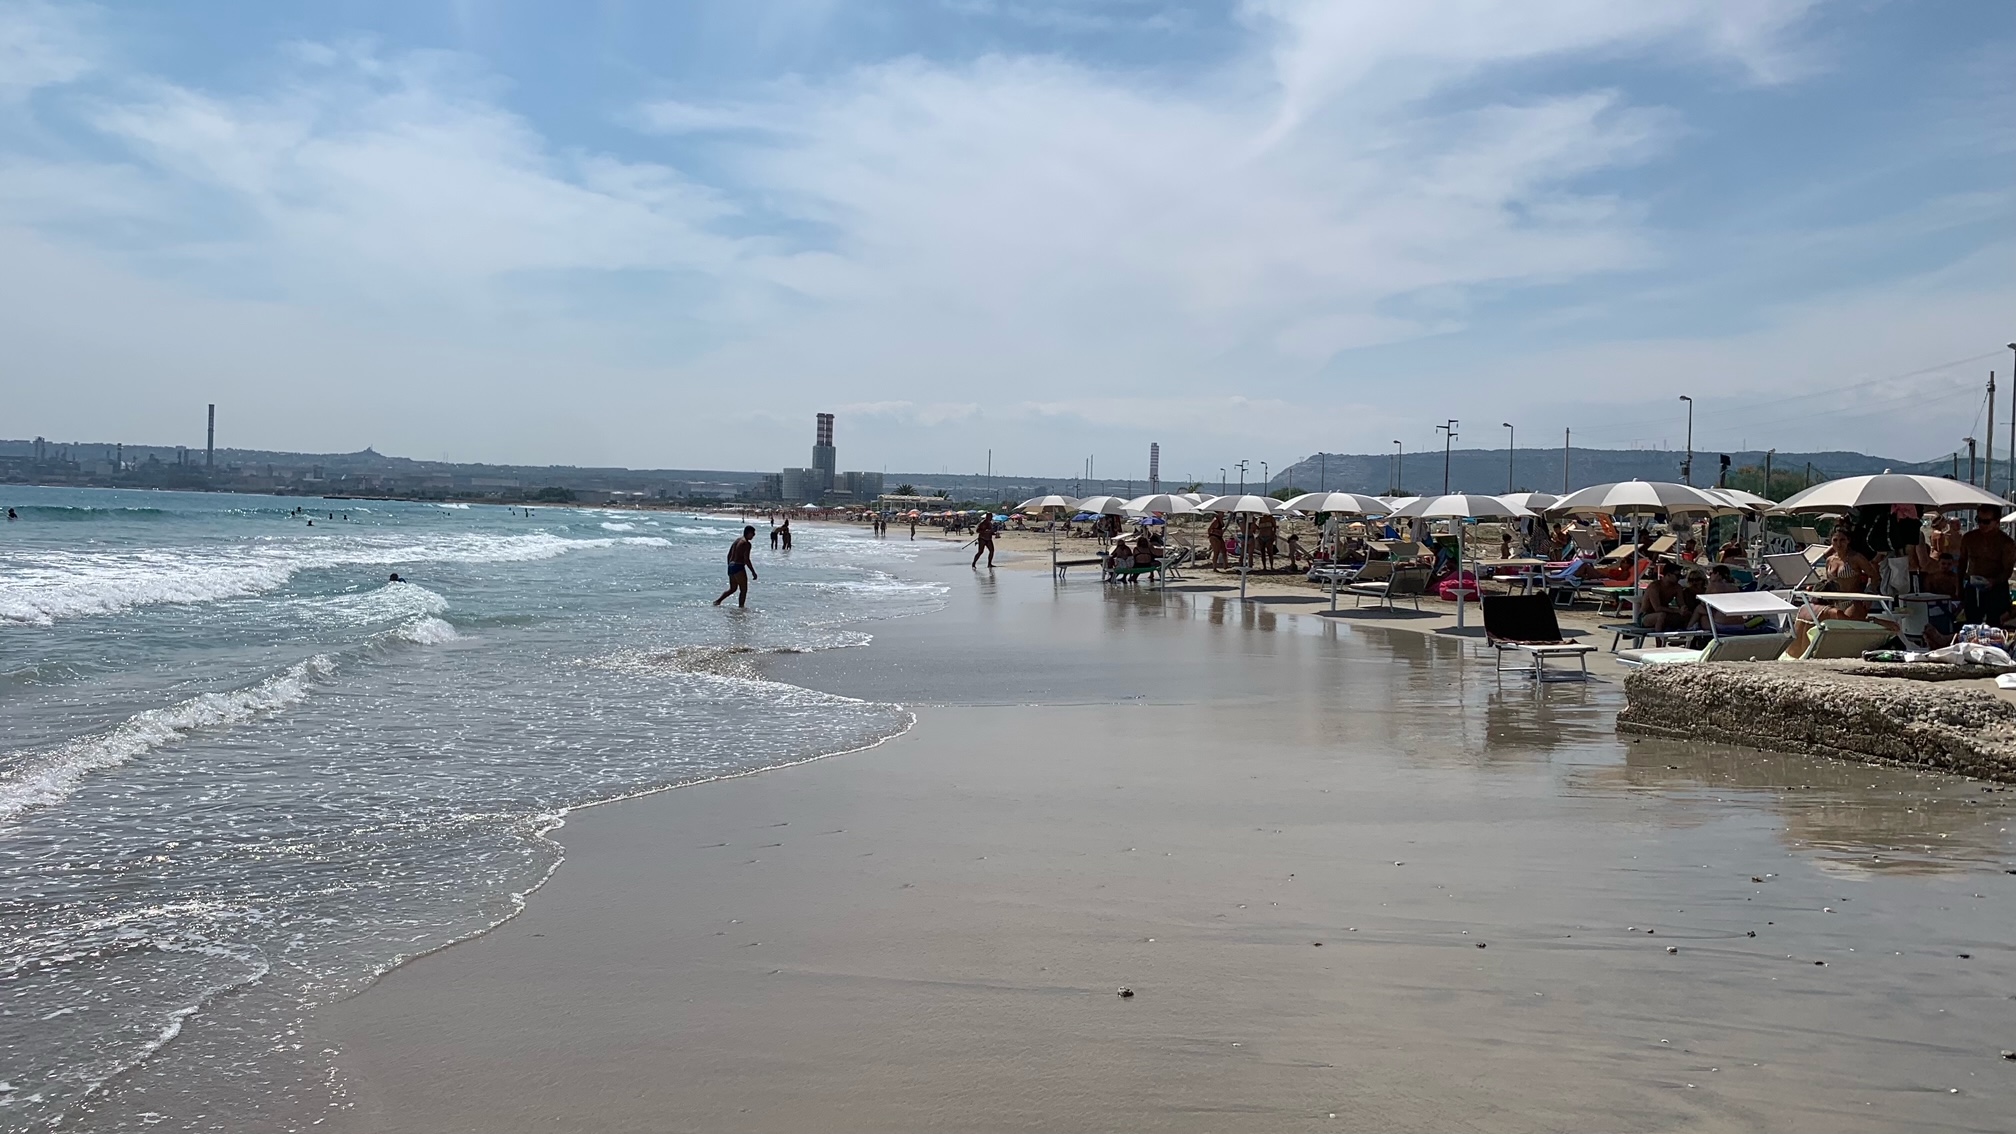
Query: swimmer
x=395 y=578
x=741 y=572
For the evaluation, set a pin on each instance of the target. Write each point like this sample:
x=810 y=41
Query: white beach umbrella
x=1531 y=501
x=1349 y=503
x=1633 y=497
x=1042 y=503
x=1103 y=505
x=1742 y=499
x=1456 y=508
x=1244 y=505
x=1164 y=503
x=1851 y=492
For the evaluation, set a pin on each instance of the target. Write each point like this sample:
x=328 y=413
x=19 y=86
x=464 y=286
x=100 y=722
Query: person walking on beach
x=913 y=527
x=1216 y=533
x=740 y=571
x=983 y=537
x=1987 y=558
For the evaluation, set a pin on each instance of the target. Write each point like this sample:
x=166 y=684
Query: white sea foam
x=426 y=630
x=614 y=527
x=49 y=776
x=454 y=507
x=41 y=587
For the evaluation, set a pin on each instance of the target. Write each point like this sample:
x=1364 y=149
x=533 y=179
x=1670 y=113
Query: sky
x=666 y=234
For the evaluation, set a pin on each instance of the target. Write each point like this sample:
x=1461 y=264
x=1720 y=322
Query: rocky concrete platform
x=1915 y=716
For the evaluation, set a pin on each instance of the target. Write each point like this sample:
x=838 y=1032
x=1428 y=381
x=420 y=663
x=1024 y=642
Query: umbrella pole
x=1458 y=523
x=1245 y=554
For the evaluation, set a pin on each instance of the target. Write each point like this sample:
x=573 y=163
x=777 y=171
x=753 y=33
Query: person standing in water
x=740 y=571
x=983 y=537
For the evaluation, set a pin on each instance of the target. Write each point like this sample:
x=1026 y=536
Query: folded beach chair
x=1587 y=543
x=1842 y=638
x=1664 y=545
x=1526 y=624
x=1793 y=570
x=1405 y=582
x=1175 y=560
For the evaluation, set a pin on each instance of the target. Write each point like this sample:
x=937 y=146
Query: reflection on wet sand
x=1869 y=817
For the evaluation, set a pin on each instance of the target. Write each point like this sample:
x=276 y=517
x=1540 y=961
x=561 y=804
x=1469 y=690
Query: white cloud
x=1015 y=246
x=42 y=45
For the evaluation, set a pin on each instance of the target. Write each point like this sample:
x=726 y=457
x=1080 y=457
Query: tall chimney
x=210 y=444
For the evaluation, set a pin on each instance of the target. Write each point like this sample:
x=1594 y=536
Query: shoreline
x=644 y=1016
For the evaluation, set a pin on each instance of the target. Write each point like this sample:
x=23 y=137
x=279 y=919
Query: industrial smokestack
x=210 y=444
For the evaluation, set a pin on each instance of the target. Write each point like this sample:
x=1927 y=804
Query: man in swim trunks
x=984 y=537
x=1987 y=559
x=740 y=571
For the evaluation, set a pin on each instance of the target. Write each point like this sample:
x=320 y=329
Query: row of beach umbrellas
x=1623 y=498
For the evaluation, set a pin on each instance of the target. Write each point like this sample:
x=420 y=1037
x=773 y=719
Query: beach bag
x=1464 y=584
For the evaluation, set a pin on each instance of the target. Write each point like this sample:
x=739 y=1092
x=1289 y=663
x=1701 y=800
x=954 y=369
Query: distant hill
x=1540 y=470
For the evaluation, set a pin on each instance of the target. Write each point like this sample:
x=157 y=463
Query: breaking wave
x=42 y=778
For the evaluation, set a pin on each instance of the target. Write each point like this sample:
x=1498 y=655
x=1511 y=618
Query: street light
x=1265 y=480
x=1687 y=467
x=1448 y=433
x=1511 y=447
x=1242 y=466
x=1221 y=480
x=1399 y=459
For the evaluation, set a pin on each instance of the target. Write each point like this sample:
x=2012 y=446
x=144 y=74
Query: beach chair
x=1794 y=571
x=1842 y=638
x=1405 y=582
x=1618 y=554
x=1174 y=561
x=1808 y=536
x=1586 y=543
x=1736 y=647
x=1727 y=643
x=1525 y=624
x=1664 y=545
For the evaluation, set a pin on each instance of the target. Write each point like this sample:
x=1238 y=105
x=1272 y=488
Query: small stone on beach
x=1125 y=992
x=1672 y=948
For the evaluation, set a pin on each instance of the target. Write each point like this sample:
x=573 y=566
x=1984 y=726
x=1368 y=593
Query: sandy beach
x=1354 y=881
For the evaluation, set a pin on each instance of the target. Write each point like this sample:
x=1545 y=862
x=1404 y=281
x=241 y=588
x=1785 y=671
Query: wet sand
x=1184 y=795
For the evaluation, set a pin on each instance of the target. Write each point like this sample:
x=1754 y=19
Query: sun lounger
x=1405 y=582
x=1586 y=543
x=1793 y=571
x=1808 y=537
x=1618 y=554
x=1842 y=638
x=1525 y=624
x=1662 y=546
x=1639 y=635
x=1738 y=647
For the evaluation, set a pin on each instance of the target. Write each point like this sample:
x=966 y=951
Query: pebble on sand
x=1125 y=992
x=1672 y=948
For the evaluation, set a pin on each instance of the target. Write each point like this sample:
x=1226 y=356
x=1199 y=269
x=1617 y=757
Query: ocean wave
x=736 y=661
x=703 y=531
x=454 y=507
x=76 y=512
x=426 y=630
x=43 y=778
x=40 y=588
x=616 y=527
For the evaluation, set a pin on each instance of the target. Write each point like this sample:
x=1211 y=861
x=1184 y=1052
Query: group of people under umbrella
x=1636 y=499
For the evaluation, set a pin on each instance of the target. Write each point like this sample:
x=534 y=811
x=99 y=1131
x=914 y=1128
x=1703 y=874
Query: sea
x=242 y=772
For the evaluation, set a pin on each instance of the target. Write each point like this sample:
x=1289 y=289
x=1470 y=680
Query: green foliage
x=906 y=490
x=554 y=494
x=1193 y=486
x=1286 y=493
x=1784 y=482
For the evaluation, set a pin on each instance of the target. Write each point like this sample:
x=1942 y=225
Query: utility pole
x=210 y=443
x=1988 y=461
x=1768 y=454
x=1323 y=472
x=1448 y=433
x=2012 y=426
x=1221 y=480
x=1970 y=459
x=1567 y=435
x=1687 y=466
x=1511 y=447
x=1399 y=459
x=1241 y=466
x=1265 y=480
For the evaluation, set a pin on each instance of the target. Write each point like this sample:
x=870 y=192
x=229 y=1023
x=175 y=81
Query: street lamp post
x=1448 y=433
x=1399 y=459
x=1265 y=480
x=1511 y=448
x=1221 y=480
x=2012 y=426
x=1241 y=466
x=1687 y=467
